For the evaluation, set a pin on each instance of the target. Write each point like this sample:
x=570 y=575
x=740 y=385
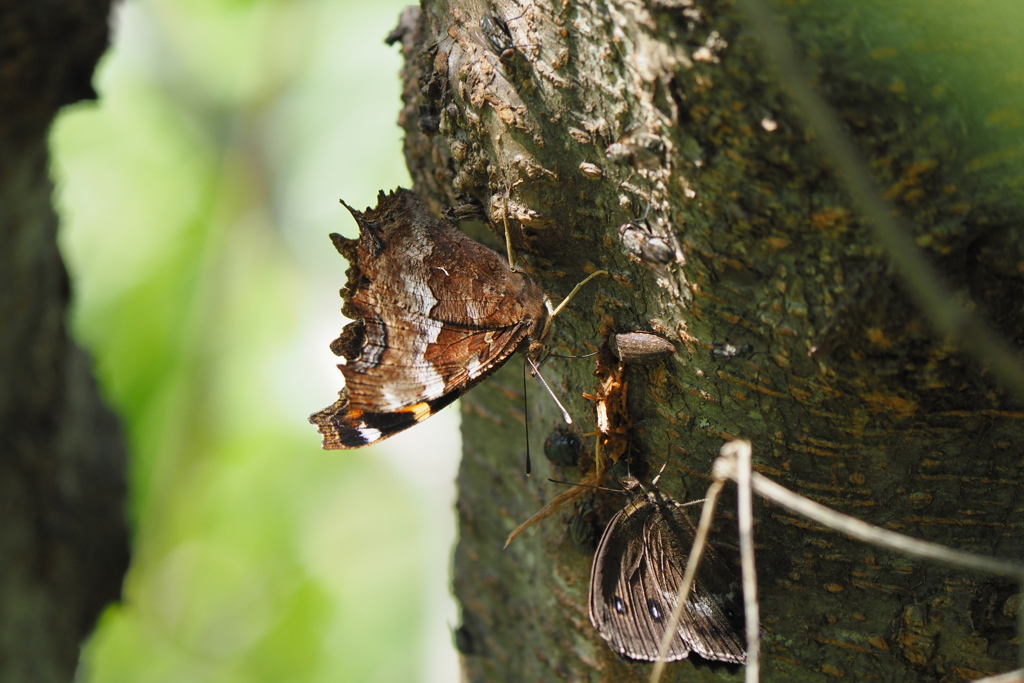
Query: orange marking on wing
x=420 y=411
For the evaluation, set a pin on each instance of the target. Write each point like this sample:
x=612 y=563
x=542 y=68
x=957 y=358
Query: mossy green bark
x=846 y=394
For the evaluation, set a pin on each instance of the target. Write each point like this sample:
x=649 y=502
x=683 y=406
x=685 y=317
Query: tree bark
x=63 y=537
x=843 y=388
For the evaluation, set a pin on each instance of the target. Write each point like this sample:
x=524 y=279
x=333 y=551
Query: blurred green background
x=196 y=197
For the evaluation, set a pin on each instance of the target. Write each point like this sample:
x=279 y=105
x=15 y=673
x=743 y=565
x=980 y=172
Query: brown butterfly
x=434 y=313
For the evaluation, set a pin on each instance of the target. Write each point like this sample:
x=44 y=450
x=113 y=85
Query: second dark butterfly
x=635 y=579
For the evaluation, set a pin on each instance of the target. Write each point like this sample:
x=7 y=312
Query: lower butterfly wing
x=406 y=374
x=627 y=604
x=708 y=624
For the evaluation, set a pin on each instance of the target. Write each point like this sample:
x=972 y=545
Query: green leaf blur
x=196 y=197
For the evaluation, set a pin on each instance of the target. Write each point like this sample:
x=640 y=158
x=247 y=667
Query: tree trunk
x=837 y=378
x=63 y=537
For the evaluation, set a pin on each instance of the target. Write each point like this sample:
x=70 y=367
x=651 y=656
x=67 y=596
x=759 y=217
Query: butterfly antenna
x=508 y=234
x=574 y=291
x=586 y=486
x=536 y=371
x=654 y=482
x=558 y=355
x=526 y=419
x=552 y=312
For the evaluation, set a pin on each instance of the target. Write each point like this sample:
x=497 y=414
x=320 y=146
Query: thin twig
x=740 y=452
x=884 y=538
x=557 y=503
x=727 y=466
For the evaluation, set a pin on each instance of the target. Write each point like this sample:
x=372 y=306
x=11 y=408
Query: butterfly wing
x=626 y=607
x=708 y=622
x=434 y=313
x=634 y=586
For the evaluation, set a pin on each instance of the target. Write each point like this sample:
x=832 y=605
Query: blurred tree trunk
x=63 y=537
x=846 y=393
